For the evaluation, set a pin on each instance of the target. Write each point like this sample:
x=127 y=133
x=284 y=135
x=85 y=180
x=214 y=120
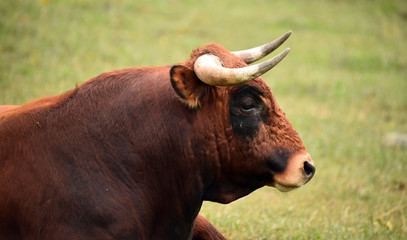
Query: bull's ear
x=187 y=86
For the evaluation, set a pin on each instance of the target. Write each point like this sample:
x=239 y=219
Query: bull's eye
x=247 y=111
x=248 y=106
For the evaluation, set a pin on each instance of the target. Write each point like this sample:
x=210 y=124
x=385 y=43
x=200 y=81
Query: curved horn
x=254 y=54
x=210 y=70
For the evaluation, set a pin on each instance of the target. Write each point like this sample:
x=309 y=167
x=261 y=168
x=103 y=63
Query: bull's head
x=256 y=145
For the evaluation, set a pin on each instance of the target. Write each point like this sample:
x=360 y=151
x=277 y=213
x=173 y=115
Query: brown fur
x=120 y=157
x=7 y=107
x=204 y=230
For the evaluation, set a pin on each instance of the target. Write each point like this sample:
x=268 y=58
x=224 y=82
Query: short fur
x=121 y=157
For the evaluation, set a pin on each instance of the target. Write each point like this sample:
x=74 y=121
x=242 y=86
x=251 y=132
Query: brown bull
x=133 y=153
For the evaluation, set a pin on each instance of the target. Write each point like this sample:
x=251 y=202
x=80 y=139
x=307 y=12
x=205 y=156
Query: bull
x=133 y=153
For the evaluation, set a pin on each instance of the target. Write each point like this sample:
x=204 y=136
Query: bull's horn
x=209 y=70
x=254 y=54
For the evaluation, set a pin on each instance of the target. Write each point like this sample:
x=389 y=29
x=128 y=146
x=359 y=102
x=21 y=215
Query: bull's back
x=47 y=150
x=7 y=107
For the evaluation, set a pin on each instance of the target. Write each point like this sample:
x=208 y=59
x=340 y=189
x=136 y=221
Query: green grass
x=344 y=87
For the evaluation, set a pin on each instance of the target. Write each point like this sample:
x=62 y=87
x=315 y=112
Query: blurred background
x=343 y=86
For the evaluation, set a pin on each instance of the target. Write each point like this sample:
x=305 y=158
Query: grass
x=344 y=87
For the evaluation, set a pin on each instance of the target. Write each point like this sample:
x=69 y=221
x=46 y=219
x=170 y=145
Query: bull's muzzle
x=300 y=170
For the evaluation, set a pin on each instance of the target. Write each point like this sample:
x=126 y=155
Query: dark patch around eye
x=247 y=110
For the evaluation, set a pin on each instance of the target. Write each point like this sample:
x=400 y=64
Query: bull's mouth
x=282 y=188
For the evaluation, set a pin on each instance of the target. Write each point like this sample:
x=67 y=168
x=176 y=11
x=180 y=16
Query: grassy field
x=343 y=86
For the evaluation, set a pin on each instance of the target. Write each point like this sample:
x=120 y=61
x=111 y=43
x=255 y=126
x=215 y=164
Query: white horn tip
x=288 y=34
x=285 y=52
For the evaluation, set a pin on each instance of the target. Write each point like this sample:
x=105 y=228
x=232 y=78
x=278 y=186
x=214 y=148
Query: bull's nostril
x=309 y=169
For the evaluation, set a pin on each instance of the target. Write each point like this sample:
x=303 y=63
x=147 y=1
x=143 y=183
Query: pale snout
x=300 y=169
